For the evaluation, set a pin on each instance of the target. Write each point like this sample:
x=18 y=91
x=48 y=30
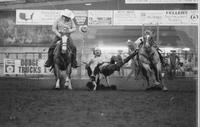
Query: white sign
x=100 y=17
x=161 y=17
x=159 y=1
x=25 y=66
x=36 y=17
x=81 y=17
x=111 y=17
x=46 y=17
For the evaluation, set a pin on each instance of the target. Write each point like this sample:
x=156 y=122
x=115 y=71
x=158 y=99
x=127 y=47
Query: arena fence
x=31 y=64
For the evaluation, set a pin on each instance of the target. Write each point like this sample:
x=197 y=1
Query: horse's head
x=64 y=43
x=148 y=41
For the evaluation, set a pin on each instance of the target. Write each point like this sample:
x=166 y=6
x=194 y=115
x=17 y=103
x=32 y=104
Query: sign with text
x=100 y=17
x=159 y=1
x=161 y=17
x=25 y=66
x=36 y=17
x=111 y=17
x=46 y=17
x=81 y=17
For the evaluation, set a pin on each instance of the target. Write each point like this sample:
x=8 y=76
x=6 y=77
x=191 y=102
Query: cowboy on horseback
x=64 y=25
x=139 y=42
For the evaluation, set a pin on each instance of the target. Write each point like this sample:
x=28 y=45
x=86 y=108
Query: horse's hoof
x=154 y=88
x=165 y=89
x=157 y=83
x=136 y=78
x=149 y=88
x=56 y=88
x=68 y=88
x=113 y=87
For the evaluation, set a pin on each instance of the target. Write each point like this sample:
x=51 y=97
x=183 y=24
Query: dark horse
x=62 y=63
x=149 y=62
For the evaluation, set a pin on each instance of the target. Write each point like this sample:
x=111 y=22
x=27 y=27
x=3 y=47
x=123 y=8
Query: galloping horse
x=62 y=63
x=149 y=61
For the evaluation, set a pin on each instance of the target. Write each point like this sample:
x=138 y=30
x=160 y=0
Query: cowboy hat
x=67 y=13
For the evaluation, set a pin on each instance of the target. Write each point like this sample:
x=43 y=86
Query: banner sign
x=161 y=17
x=100 y=17
x=81 y=17
x=111 y=17
x=159 y=1
x=46 y=17
x=25 y=66
x=36 y=17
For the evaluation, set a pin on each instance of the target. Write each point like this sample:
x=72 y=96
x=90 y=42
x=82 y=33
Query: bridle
x=64 y=44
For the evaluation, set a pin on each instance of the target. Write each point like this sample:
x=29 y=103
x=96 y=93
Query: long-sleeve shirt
x=61 y=26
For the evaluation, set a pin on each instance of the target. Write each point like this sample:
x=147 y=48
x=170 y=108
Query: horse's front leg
x=57 y=74
x=145 y=69
x=68 y=82
x=68 y=77
x=160 y=77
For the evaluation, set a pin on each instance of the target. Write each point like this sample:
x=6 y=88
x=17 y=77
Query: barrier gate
x=31 y=64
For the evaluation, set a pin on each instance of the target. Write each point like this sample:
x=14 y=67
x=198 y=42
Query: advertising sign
x=81 y=17
x=161 y=17
x=111 y=17
x=159 y=1
x=100 y=17
x=36 y=17
x=46 y=17
x=25 y=66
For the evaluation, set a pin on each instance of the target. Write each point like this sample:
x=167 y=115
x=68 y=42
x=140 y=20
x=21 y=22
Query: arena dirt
x=30 y=104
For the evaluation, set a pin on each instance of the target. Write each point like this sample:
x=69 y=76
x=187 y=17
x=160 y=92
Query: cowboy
x=98 y=64
x=64 y=25
x=174 y=59
x=95 y=60
x=131 y=47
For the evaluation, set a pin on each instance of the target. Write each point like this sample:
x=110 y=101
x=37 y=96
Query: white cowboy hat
x=67 y=13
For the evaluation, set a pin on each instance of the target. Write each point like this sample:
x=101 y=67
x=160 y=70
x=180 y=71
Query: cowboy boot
x=49 y=61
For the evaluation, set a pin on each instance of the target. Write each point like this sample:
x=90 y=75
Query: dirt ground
x=32 y=103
